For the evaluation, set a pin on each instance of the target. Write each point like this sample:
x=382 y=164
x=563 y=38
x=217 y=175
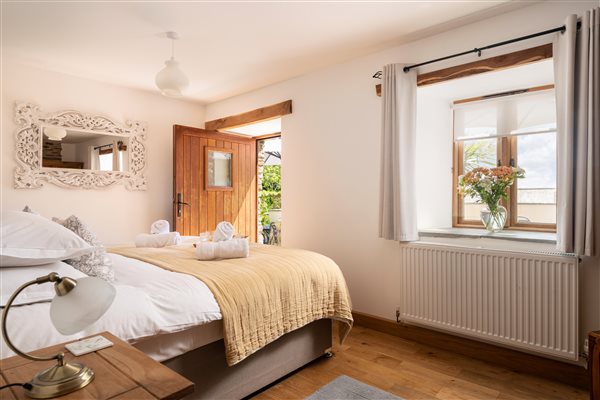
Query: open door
x=214 y=180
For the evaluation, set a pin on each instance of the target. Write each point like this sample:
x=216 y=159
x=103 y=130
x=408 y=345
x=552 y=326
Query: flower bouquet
x=489 y=186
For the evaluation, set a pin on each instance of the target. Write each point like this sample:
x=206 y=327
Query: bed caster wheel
x=328 y=354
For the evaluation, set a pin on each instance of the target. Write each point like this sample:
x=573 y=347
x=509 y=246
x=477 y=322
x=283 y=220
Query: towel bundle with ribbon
x=160 y=226
x=223 y=244
x=157 y=240
x=159 y=236
x=223 y=232
x=234 y=248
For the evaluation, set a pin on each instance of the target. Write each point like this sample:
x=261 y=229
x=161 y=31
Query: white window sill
x=521 y=236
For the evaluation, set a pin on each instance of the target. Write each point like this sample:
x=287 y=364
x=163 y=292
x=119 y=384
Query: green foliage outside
x=270 y=192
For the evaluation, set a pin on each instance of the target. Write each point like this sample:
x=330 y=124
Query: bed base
x=207 y=368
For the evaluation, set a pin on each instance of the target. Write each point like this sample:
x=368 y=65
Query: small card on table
x=88 y=345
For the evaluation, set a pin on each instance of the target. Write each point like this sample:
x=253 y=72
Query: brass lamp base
x=59 y=380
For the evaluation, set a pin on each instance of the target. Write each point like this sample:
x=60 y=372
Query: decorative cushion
x=12 y=278
x=95 y=263
x=29 y=239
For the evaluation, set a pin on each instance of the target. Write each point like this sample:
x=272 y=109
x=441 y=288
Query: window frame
x=506 y=154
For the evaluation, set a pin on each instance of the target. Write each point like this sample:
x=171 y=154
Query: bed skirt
x=207 y=368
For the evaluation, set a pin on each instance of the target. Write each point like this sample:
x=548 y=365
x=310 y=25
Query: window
x=106 y=162
x=516 y=130
x=218 y=169
x=102 y=158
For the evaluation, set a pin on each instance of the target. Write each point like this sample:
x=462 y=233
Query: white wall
x=331 y=146
x=68 y=152
x=115 y=213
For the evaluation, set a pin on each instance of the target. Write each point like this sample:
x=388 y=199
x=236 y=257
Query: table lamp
x=77 y=304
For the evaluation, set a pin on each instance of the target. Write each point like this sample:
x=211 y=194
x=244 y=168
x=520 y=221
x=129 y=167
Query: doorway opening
x=267 y=135
x=268 y=176
x=263 y=126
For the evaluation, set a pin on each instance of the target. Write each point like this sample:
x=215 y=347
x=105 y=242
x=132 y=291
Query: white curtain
x=577 y=81
x=115 y=154
x=397 y=201
x=94 y=158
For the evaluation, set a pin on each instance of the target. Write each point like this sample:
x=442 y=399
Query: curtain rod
x=478 y=50
x=119 y=143
x=101 y=146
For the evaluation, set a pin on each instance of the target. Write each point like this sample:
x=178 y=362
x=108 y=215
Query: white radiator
x=523 y=300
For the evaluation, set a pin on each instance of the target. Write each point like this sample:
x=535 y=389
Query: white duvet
x=149 y=301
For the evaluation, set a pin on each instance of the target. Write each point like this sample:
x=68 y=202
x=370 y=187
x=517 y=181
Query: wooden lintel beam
x=260 y=114
x=497 y=63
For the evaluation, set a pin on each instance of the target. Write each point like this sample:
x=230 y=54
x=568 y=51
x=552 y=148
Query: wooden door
x=196 y=210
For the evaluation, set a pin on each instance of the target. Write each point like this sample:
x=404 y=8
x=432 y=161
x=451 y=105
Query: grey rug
x=346 y=388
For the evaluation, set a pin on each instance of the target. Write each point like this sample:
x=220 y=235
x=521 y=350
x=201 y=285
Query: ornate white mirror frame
x=30 y=174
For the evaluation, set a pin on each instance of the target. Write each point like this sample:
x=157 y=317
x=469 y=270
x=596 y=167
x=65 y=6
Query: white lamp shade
x=171 y=80
x=55 y=132
x=82 y=306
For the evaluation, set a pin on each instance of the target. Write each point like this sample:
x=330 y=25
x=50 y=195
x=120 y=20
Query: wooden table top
x=121 y=372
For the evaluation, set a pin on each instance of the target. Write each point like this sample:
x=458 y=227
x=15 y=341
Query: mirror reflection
x=64 y=148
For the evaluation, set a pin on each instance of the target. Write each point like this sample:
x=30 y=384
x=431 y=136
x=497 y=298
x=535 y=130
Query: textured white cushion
x=29 y=239
x=95 y=263
x=12 y=278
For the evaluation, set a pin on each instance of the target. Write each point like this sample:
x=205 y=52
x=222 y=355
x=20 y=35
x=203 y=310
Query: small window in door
x=219 y=169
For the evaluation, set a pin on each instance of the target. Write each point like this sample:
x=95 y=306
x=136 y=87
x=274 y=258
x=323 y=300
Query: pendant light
x=171 y=80
x=54 y=132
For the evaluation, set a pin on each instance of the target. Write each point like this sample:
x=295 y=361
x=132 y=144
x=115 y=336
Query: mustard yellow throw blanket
x=274 y=291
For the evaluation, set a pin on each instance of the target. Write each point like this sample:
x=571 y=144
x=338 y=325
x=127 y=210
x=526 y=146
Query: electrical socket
x=398 y=314
x=585 y=346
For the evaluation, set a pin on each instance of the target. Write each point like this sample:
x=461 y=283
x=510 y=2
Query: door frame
x=215 y=127
x=250 y=117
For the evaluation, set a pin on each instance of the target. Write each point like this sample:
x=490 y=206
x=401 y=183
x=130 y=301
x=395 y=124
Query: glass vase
x=493 y=218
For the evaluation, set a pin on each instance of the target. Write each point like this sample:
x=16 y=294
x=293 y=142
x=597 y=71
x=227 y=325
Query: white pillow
x=29 y=239
x=12 y=278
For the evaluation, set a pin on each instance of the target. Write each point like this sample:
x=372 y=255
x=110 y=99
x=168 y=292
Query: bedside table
x=120 y=372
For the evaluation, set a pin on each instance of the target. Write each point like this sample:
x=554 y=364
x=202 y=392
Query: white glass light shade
x=82 y=306
x=55 y=132
x=171 y=80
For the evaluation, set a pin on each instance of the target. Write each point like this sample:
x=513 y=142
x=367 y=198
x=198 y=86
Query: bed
x=186 y=331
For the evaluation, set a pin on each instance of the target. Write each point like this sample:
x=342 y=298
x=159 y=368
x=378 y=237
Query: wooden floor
x=415 y=371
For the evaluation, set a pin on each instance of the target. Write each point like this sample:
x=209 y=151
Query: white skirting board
x=528 y=301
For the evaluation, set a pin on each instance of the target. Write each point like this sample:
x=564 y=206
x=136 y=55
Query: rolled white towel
x=224 y=231
x=234 y=248
x=160 y=226
x=157 y=240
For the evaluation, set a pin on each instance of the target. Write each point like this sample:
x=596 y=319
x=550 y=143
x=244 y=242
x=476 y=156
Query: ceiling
x=75 y=137
x=226 y=48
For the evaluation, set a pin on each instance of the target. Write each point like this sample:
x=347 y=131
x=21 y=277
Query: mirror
x=85 y=150
x=219 y=169
x=72 y=149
